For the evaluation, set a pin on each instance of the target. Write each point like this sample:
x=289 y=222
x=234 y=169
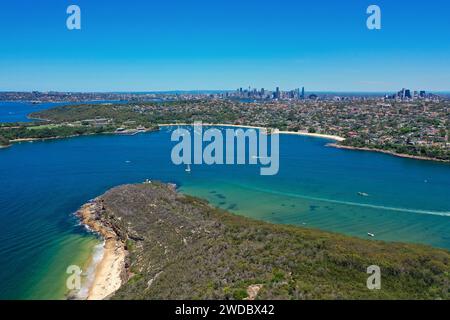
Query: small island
x=160 y=244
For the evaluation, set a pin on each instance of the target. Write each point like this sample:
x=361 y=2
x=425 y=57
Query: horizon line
x=212 y=90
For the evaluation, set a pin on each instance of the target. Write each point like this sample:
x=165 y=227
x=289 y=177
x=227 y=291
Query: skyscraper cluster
x=407 y=94
x=263 y=94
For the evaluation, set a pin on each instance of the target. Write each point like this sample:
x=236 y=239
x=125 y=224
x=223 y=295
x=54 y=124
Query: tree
x=4 y=141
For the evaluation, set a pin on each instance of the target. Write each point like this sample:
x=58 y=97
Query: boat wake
x=349 y=203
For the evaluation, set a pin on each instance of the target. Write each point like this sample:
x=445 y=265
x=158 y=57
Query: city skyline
x=299 y=91
x=200 y=45
x=236 y=154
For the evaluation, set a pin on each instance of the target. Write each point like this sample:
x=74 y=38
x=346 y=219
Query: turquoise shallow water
x=43 y=183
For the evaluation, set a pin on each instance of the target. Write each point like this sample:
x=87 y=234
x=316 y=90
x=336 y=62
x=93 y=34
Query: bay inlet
x=44 y=182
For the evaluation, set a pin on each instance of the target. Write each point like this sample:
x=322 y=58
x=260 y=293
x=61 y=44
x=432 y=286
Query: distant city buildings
x=300 y=94
x=405 y=95
x=250 y=94
x=264 y=94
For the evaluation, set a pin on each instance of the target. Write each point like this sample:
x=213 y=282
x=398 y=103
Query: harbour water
x=43 y=183
x=11 y=111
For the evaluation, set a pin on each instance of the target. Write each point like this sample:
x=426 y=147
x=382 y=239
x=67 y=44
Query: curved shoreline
x=300 y=133
x=315 y=135
x=392 y=153
x=67 y=137
x=128 y=205
x=110 y=272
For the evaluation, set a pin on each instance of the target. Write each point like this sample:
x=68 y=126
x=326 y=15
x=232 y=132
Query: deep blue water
x=19 y=111
x=43 y=183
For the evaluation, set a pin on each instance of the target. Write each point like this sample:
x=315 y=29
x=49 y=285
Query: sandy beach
x=316 y=135
x=300 y=133
x=110 y=270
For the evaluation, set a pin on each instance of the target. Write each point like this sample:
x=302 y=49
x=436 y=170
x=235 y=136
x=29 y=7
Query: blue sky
x=138 y=45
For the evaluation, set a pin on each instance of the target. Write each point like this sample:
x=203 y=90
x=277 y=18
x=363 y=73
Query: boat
x=257 y=157
x=371 y=234
x=363 y=194
x=188 y=168
x=126 y=132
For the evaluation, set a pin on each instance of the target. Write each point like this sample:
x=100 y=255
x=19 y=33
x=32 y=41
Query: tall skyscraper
x=408 y=94
x=303 y=93
x=277 y=93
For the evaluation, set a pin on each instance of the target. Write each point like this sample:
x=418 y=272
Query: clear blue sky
x=138 y=45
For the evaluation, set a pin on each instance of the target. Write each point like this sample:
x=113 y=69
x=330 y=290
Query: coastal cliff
x=164 y=245
x=111 y=272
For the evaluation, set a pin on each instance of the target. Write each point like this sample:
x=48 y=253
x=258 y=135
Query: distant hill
x=182 y=248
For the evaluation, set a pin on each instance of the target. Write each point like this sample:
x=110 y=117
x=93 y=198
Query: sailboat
x=188 y=168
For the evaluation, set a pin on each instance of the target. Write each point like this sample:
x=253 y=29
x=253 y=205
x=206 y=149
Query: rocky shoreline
x=160 y=244
x=392 y=153
x=111 y=271
x=12 y=142
x=323 y=136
